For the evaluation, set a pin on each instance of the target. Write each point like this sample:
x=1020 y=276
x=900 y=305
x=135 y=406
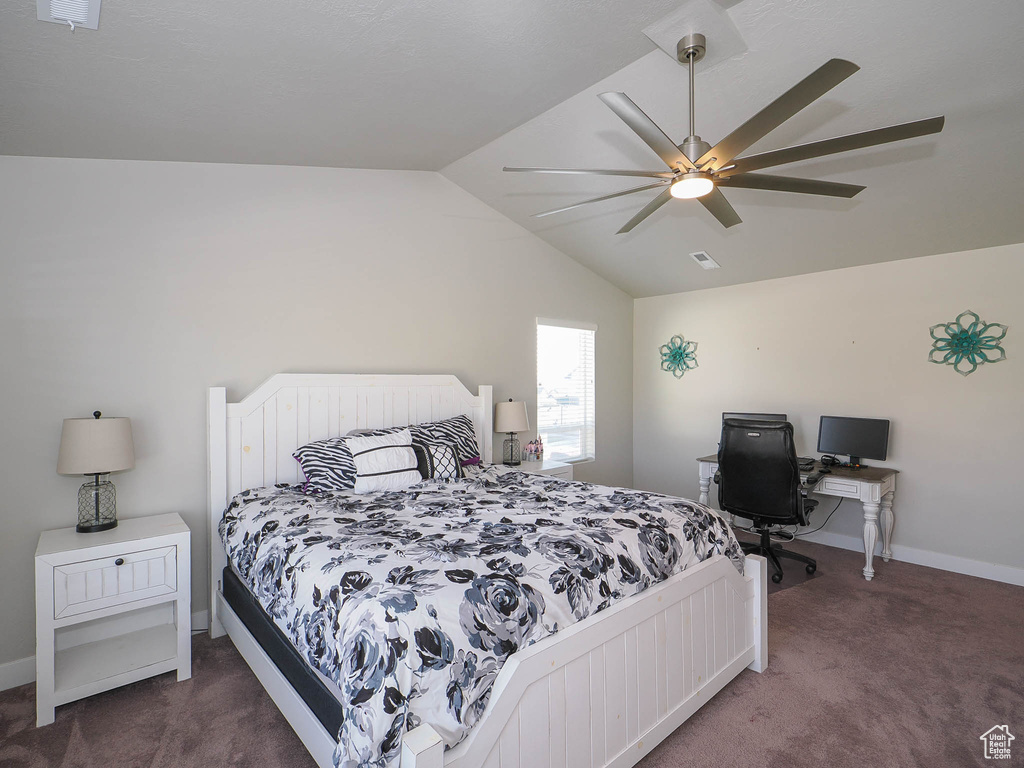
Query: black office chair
x=759 y=478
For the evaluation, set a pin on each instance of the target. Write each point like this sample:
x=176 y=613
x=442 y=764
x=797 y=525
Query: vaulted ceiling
x=957 y=190
x=467 y=87
x=403 y=84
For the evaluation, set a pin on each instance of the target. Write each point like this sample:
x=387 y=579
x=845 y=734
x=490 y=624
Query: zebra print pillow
x=327 y=465
x=457 y=431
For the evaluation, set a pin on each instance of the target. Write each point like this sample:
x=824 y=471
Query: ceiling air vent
x=702 y=258
x=76 y=13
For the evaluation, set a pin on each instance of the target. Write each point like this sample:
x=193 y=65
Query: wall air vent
x=75 y=13
x=702 y=258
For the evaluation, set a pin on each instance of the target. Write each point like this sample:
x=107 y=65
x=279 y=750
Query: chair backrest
x=760 y=476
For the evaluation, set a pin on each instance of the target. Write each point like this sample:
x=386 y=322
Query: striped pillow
x=384 y=462
x=327 y=465
x=457 y=431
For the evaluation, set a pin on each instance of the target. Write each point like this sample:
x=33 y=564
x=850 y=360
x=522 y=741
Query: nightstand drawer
x=95 y=584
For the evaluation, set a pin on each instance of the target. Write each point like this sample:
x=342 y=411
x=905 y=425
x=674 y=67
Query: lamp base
x=96 y=528
x=511 y=453
x=97 y=506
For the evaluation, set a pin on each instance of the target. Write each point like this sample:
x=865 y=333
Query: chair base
x=773 y=553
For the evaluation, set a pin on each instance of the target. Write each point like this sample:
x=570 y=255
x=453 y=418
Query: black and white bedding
x=410 y=601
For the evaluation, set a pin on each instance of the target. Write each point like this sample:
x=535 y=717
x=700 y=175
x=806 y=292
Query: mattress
x=321 y=701
x=409 y=602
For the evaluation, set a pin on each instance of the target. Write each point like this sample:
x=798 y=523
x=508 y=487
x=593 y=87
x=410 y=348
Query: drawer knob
x=119 y=561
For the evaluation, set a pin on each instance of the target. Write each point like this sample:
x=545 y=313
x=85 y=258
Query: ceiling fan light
x=691 y=185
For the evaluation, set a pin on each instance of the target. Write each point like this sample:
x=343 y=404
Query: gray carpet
x=907 y=670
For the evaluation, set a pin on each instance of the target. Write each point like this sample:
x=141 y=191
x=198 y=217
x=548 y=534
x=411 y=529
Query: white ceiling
x=426 y=85
x=408 y=84
x=960 y=189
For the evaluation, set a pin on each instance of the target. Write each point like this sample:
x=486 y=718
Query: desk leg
x=705 y=488
x=870 y=536
x=887 y=526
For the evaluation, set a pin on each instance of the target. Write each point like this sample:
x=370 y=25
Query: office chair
x=759 y=478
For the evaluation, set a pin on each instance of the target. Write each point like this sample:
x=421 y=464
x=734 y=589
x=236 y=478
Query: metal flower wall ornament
x=967 y=342
x=678 y=356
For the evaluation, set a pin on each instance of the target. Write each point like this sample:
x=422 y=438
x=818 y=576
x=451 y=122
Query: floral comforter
x=411 y=601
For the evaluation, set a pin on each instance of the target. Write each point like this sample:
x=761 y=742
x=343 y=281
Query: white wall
x=131 y=287
x=854 y=342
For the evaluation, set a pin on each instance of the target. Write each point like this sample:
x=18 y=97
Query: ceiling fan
x=699 y=170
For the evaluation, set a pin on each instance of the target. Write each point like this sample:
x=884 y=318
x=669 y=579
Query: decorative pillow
x=438 y=462
x=384 y=462
x=457 y=431
x=327 y=465
x=373 y=432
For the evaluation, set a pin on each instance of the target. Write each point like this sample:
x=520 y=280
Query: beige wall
x=131 y=287
x=855 y=342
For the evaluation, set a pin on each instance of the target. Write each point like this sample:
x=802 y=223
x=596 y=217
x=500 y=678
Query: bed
x=601 y=692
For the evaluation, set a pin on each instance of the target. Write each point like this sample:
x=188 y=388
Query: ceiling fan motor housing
x=694 y=147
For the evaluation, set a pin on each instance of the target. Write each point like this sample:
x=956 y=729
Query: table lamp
x=96 y=447
x=511 y=417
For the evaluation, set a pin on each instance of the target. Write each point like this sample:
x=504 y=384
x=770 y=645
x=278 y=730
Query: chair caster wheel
x=811 y=569
x=776 y=577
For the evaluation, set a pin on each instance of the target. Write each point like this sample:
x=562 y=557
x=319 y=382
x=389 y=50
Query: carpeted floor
x=907 y=670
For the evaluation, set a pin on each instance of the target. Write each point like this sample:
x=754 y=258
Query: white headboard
x=251 y=443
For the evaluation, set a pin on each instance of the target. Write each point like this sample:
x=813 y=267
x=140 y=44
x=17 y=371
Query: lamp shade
x=95 y=446
x=511 y=417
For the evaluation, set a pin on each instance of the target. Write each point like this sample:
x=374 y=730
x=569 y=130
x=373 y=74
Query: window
x=565 y=389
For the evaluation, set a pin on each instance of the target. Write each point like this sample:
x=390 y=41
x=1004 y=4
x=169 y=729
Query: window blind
x=565 y=391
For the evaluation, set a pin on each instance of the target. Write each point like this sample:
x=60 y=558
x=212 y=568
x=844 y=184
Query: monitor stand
x=854 y=462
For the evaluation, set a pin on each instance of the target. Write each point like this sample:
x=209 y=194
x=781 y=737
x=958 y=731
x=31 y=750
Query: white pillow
x=384 y=462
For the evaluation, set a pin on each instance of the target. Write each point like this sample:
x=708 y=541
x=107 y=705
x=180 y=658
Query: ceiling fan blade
x=720 y=208
x=594 y=172
x=838 y=144
x=790 y=184
x=646 y=129
x=646 y=211
x=812 y=87
x=603 y=197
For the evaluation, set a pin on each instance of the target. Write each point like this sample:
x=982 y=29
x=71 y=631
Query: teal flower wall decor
x=678 y=356
x=966 y=343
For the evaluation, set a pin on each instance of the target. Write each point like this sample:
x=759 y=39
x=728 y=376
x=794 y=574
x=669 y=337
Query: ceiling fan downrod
x=689 y=50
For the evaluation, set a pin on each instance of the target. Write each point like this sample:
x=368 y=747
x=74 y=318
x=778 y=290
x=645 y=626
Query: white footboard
x=604 y=693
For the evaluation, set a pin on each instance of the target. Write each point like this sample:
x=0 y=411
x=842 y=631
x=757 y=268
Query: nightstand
x=548 y=467
x=111 y=608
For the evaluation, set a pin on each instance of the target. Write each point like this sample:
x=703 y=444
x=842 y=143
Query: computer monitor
x=755 y=416
x=856 y=438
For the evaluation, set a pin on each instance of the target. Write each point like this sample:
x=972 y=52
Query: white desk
x=874 y=487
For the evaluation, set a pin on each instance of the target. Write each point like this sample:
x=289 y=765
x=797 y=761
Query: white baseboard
x=22 y=671
x=200 y=620
x=1005 y=573
x=18 y=672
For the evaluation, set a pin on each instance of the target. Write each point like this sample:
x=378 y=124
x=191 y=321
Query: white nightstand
x=548 y=467
x=111 y=608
